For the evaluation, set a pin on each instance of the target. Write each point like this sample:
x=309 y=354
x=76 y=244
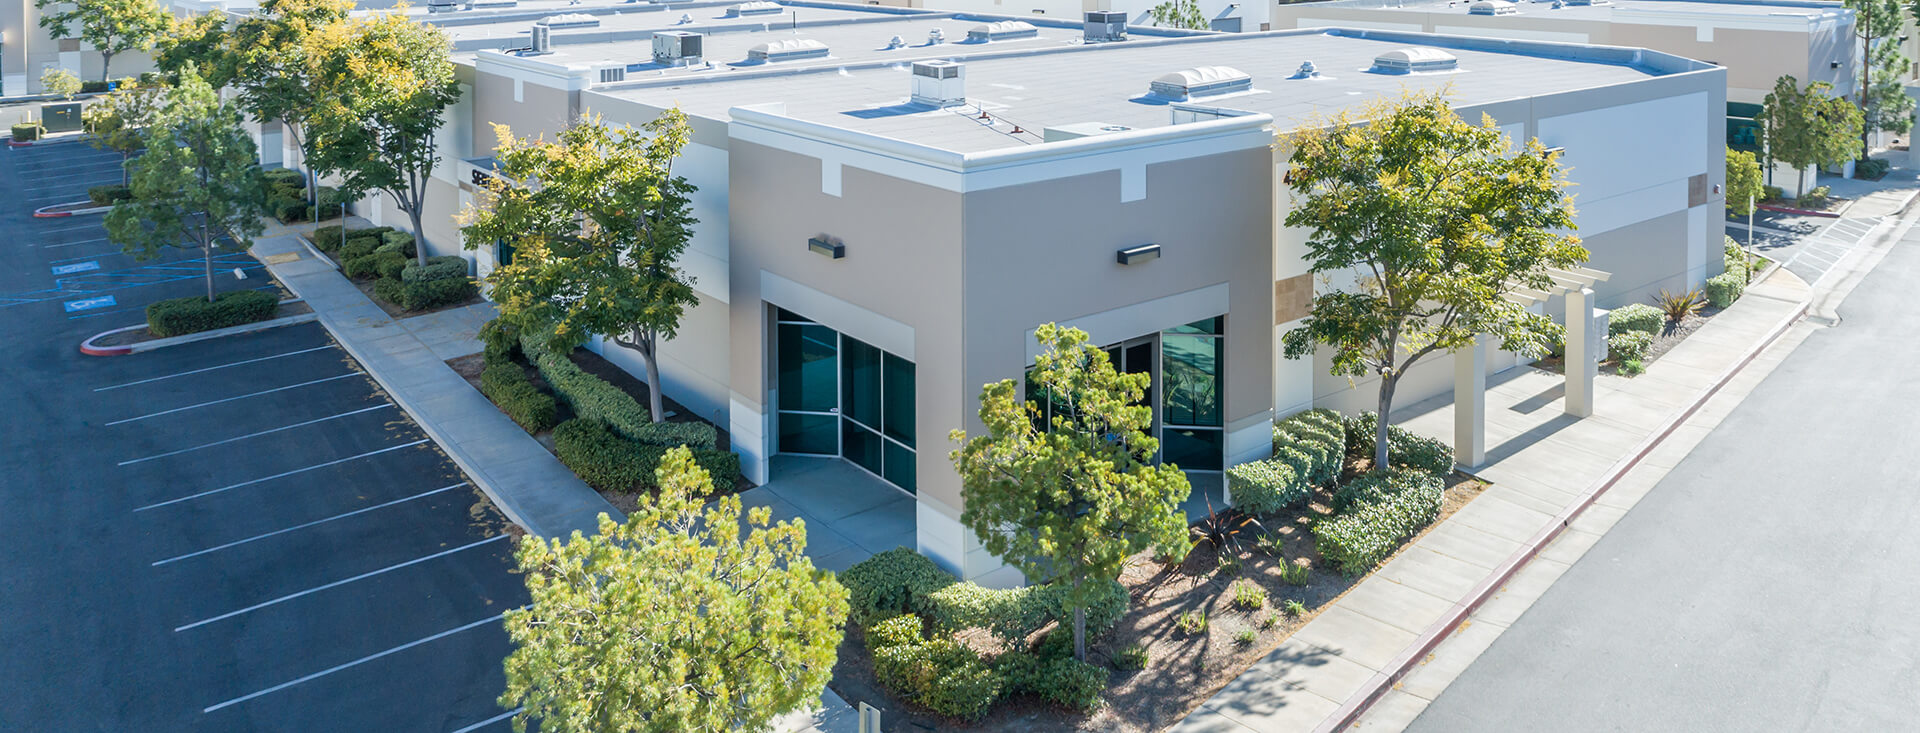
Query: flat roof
x=1543 y=9
x=1108 y=83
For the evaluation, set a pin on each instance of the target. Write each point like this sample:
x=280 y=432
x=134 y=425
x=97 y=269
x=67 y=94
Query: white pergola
x=1470 y=364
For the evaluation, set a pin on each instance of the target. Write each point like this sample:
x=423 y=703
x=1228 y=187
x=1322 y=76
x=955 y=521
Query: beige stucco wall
x=540 y=110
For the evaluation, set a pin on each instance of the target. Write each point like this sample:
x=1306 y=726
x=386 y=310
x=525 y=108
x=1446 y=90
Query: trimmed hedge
x=93 y=87
x=1373 y=487
x=1014 y=614
x=892 y=583
x=609 y=461
x=194 y=314
x=287 y=210
x=1360 y=539
x=329 y=238
x=1403 y=448
x=1264 y=487
x=1629 y=346
x=507 y=385
x=109 y=194
x=1636 y=317
x=941 y=675
x=502 y=340
x=358 y=245
x=1313 y=443
x=25 y=131
x=443 y=267
x=1724 y=288
x=596 y=398
x=284 y=177
x=416 y=296
x=1059 y=678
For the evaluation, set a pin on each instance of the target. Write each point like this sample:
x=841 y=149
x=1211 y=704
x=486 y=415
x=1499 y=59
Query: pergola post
x=1470 y=404
x=1581 y=368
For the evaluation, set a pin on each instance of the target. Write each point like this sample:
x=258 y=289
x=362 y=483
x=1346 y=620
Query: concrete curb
x=45 y=141
x=43 y=213
x=1798 y=211
x=87 y=347
x=1356 y=705
x=315 y=251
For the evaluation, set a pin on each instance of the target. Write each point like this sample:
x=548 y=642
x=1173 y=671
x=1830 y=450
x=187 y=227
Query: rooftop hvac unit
x=1414 y=60
x=1105 y=25
x=939 y=83
x=569 y=20
x=677 y=48
x=442 y=6
x=787 y=50
x=1005 y=30
x=758 y=7
x=542 y=39
x=1493 y=7
x=1200 y=81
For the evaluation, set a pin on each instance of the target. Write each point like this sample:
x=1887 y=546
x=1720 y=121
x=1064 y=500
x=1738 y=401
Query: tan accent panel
x=1292 y=298
x=69 y=45
x=1697 y=190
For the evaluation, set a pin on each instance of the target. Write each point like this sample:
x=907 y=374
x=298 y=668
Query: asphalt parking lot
x=237 y=534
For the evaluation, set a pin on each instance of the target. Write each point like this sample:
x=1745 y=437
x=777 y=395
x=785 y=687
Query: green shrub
x=1132 y=657
x=329 y=238
x=396 y=237
x=1013 y=614
x=284 y=177
x=1734 y=259
x=939 y=674
x=25 y=131
x=1293 y=573
x=1772 y=193
x=1246 y=637
x=1872 y=169
x=1404 y=448
x=358 y=245
x=93 y=87
x=331 y=198
x=109 y=194
x=387 y=265
x=891 y=583
x=1358 y=540
x=1191 y=622
x=502 y=341
x=507 y=385
x=444 y=267
x=1375 y=487
x=1814 y=198
x=1249 y=597
x=1726 y=287
x=1264 y=487
x=391 y=290
x=593 y=397
x=1636 y=317
x=1070 y=683
x=1629 y=346
x=902 y=629
x=366 y=265
x=194 y=314
x=288 y=210
x=416 y=296
x=1313 y=443
x=600 y=457
x=1294 y=608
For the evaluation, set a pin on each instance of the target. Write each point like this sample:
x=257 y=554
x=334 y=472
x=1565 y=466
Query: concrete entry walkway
x=850 y=514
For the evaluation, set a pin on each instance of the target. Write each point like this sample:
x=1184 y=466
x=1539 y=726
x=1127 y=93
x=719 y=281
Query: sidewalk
x=408 y=358
x=1539 y=462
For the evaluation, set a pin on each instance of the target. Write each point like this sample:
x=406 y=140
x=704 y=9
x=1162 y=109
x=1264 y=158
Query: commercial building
x=890 y=201
x=1220 y=15
x=1757 y=41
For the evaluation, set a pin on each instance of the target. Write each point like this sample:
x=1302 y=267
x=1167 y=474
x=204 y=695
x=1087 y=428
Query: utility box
x=63 y=117
x=1597 y=334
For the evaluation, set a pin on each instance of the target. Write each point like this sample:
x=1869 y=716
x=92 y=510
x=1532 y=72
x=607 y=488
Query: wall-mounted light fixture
x=1559 y=150
x=1833 y=64
x=1137 y=255
x=821 y=246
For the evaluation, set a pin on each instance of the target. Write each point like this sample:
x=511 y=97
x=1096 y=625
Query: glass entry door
x=1184 y=390
x=840 y=396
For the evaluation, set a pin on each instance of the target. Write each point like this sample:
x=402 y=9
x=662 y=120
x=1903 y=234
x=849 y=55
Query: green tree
x=1064 y=486
x=118 y=122
x=1184 y=14
x=1884 y=104
x=383 y=84
x=56 y=80
x=109 y=26
x=201 y=41
x=1809 y=126
x=681 y=619
x=596 y=245
x=273 y=77
x=198 y=182
x=1435 y=220
x=1744 y=184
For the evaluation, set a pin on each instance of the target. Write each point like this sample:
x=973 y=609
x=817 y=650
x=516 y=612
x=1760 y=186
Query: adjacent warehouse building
x=891 y=201
x=1757 y=41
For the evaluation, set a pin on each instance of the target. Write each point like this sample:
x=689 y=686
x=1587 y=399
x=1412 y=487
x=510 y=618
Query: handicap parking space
x=243 y=533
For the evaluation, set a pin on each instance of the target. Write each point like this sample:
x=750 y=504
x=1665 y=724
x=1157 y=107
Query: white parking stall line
x=491 y=721
x=230 y=399
x=284 y=474
x=73 y=244
x=341 y=582
x=381 y=406
x=357 y=662
x=211 y=368
x=314 y=523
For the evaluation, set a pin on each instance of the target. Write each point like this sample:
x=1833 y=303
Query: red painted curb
x=1800 y=212
x=13 y=144
x=87 y=347
x=51 y=214
x=1349 y=712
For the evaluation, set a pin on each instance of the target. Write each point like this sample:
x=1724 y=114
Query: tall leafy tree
x=111 y=27
x=197 y=183
x=1744 y=184
x=681 y=619
x=1807 y=126
x=1435 y=220
x=273 y=77
x=1064 y=486
x=201 y=41
x=119 y=121
x=597 y=243
x=56 y=80
x=1184 y=14
x=383 y=84
x=1883 y=65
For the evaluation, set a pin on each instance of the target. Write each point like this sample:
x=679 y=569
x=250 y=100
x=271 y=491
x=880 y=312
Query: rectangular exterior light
x=824 y=248
x=1136 y=255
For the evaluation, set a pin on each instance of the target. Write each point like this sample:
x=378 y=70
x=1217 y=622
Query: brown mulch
x=1183 y=670
x=139 y=335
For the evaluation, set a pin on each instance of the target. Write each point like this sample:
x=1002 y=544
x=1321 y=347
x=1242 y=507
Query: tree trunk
x=649 y=342
x=106 y=63
x=1080 y=633
x=1866 y=86
x=206 y=254
x=1388 y=382
x=419 y=241
x=126 y=179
